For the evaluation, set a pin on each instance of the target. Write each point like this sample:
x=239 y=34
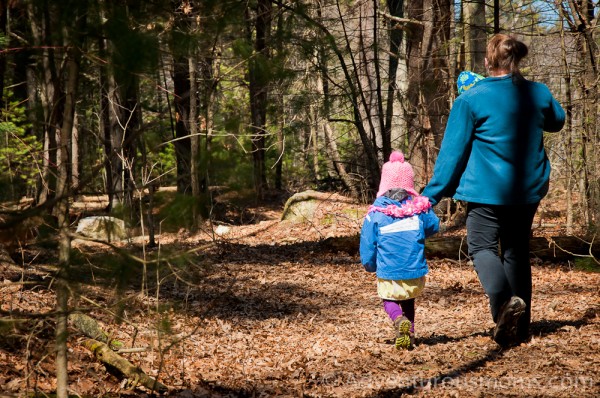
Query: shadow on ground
x=539 y=328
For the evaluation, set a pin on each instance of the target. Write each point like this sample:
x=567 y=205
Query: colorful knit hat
x=396 y=173
x=466 y=80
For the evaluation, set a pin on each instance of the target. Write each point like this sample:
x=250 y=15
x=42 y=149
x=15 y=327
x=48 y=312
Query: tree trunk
x=396 y=9
x=337 y=162
x=591 y=54
x=75 y=153
x=580 y=19
x=194 y=138
x=61 y=332
x=58 y=109
x=428 y=89
x=359 y=108
x=331 y=144
x=367 y=69
x=476 y=36
x=63 y=194
x=259 y=86
x=108 y=127
x=209 y=68
x=314 y=149
x=496 y=16
x=51 y=96
x=122 y=83
x=569 y=146
x=207 y=72
x=181 y=101
x=280 y=106
x=131 y=117
x=364 y=83
x=3 y=31
x=353 y=94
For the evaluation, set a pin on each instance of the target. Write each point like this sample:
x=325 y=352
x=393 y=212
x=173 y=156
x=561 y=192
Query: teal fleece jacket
x=493 y=148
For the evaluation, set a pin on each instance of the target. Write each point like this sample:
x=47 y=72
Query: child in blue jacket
x=392 y=244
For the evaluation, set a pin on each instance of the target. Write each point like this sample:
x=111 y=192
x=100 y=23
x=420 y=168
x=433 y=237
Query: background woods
x=268 y=95
x=233 y=104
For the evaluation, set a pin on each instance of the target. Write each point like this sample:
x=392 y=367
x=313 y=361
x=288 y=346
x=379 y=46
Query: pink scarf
x=418 y=204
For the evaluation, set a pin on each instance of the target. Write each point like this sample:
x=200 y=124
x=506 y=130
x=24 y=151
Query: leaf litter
x=266 y=311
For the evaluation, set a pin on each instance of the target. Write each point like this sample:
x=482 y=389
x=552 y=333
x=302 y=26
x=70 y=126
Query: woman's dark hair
x=505 y=53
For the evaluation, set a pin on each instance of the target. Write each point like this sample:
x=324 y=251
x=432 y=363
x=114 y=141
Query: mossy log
x=89 y=327
x=136 y=375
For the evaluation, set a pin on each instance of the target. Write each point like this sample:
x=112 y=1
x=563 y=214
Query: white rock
x=222 y=230
x=103 y=228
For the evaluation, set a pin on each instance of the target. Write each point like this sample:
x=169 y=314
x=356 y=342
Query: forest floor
x=264 y=310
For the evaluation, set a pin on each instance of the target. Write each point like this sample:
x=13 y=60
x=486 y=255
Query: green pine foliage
x=160 y=159
x=20 y=152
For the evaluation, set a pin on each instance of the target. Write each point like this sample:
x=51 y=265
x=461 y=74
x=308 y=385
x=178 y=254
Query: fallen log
x=557 y=248
x=562 y=247
x=9 y=269
x=16 y=230
x=135 y=374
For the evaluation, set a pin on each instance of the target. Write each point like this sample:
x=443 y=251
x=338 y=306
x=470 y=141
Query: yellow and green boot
x=404 y=337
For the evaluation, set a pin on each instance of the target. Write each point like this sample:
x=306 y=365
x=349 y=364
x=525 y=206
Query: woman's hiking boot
x=505 y=333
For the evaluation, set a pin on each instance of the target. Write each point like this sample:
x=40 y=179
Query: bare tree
x=428 y=89
x=581 y=20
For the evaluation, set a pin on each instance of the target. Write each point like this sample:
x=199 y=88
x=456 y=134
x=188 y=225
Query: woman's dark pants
x=498 y=239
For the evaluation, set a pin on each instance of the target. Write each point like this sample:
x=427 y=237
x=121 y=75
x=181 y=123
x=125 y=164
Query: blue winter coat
x=493 y=148
x=395 y=247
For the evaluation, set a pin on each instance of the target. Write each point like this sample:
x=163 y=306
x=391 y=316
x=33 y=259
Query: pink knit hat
x=396 y=174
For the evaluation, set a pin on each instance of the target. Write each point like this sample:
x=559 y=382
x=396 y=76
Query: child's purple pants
x=396 y=309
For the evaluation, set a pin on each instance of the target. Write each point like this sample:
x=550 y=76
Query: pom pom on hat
x=396 y=173
x=466 y=80
x=396 y=157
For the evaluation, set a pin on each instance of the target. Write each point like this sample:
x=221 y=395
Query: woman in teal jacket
x=492 y=156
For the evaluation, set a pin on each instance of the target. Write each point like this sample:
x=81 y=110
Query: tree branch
x=403 y=21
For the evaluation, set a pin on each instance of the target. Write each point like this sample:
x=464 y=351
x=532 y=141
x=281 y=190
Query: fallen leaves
x=269 y=314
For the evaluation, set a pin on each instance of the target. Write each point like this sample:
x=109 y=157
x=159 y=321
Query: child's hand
x=370 y=267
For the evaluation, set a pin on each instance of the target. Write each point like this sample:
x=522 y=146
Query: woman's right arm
x=554 y=117
x=454 y=153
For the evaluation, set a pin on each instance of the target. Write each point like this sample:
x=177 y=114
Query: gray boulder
x=108 y=229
